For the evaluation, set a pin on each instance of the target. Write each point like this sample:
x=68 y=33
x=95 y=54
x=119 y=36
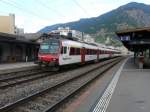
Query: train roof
x=78 y=44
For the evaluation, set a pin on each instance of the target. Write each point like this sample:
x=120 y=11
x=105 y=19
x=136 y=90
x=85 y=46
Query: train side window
x=91 y=51
x=88 y=51
x=65 y=50
x=78 y=51
x=95 y=52
x=85 y=51
x=72 y=51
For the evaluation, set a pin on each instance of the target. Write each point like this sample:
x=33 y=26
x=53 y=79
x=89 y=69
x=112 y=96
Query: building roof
x=145 y=29
x=5 y=37
x=32 y=36
x=137 y=38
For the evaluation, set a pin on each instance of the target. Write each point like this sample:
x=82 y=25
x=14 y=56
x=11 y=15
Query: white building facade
x=74 y=34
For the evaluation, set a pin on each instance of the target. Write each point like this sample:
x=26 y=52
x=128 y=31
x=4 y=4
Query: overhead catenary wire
x=12 y=4
x=84 y=10
x=78 y=4
x=49 y=8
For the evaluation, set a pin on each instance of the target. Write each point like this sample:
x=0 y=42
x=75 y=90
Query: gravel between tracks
x=50 y=98
x=18 y=73
x=17 y=92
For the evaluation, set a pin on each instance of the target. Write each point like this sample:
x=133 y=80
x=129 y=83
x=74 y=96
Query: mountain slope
x=131 y=15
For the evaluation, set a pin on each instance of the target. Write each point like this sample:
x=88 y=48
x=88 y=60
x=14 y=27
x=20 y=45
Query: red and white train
x=59 y=52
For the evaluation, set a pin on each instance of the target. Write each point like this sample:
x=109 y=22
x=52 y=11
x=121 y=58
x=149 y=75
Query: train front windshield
x=49 y=47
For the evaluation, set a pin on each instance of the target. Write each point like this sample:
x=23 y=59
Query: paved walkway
x=132 y=93
x=128 y=91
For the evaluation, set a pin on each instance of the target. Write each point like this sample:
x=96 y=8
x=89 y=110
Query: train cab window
x=50 y=46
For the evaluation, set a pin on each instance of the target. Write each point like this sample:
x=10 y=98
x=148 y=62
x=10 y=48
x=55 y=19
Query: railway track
x=20 y=78
x=49 y=98
x=17 y=74
x=16 y=78
x=14 y=93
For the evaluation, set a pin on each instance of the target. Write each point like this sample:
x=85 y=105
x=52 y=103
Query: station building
x=15 y=48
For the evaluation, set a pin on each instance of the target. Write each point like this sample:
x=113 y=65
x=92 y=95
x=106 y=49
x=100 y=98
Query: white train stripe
x=106 y=97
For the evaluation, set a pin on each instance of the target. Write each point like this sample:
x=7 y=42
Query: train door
x=82 y=55
x=65 y=53
x=64 y=59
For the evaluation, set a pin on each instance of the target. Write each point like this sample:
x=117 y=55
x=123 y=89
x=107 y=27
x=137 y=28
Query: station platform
x=132 y=90
x=15 y=67
x=124 y=88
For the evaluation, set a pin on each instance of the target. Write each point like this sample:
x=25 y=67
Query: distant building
x=19 y=31
x=7 y=25
x=87 y=38
x=68 y=32
x=74 y=34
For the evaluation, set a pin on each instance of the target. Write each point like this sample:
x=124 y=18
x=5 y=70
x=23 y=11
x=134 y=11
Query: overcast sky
x=32 y=15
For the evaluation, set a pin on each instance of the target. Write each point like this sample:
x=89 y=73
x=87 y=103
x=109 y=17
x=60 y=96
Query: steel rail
x=28 y=98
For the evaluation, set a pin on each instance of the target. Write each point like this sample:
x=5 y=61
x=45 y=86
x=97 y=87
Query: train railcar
x=59 y=52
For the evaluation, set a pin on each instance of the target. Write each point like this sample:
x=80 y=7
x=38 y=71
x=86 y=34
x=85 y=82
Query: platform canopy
x=11 y=38
x=135 y=39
